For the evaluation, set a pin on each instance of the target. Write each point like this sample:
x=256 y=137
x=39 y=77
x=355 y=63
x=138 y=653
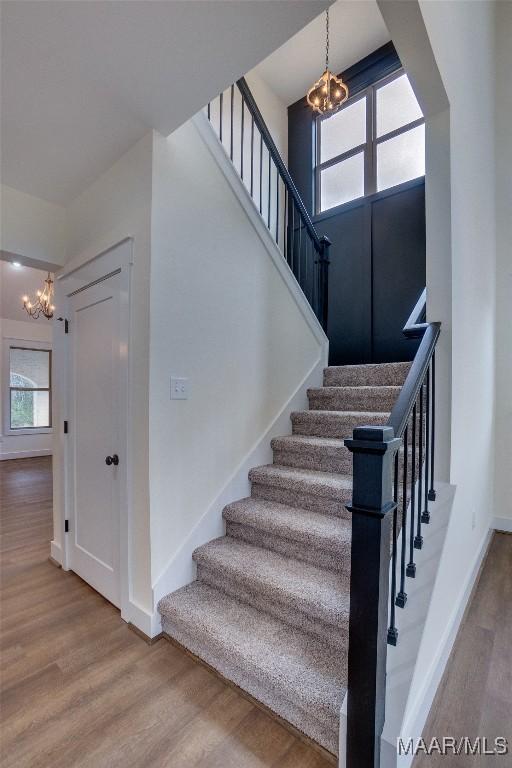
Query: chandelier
x=43 y=303
x=330 y=92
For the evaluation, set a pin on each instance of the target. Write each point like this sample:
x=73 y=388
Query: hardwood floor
x=79 y=688
x=475 y=695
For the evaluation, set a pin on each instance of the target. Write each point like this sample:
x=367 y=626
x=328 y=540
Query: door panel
x=95 y=374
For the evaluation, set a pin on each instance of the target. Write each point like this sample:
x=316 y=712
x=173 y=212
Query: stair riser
x=264 y=690
x=314 y=423
x=335 y=636
x=347 y=400
x=321 y=504
x=392 y=375
x=340 y=461
x=338 y=561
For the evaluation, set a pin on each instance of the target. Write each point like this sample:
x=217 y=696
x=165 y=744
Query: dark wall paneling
x=398 y=269
x=349 y=318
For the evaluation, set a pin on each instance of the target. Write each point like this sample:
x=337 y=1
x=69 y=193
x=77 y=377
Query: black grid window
x=375 y=141
x=30 y=401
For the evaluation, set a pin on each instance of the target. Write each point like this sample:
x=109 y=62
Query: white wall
x=273 y=109
x=503 y=499
x=21 y=446
x=222 y=316
x=461 y=37
x=118 y=205
x=31 y=228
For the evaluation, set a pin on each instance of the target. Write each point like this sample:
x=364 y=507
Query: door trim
x=118 y=259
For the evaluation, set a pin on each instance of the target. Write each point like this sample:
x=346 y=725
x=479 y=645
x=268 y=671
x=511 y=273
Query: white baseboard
x=25 y=454
x=181 y=569
x=56 y=552
x=146 y=621
x=503 y=524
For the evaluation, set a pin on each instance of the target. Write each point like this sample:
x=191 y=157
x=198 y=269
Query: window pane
x=30 y=409
x=343 y=131
x=401 y=159
x=342 y=182
x=30 y=368
x=396 y=105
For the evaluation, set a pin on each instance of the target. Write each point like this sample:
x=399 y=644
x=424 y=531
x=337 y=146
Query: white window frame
x=12 y=343
x=369 y=147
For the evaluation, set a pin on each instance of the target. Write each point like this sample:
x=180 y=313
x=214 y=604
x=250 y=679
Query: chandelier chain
x=327 y=39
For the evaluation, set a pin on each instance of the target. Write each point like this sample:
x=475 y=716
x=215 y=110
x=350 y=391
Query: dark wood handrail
x=278 y=161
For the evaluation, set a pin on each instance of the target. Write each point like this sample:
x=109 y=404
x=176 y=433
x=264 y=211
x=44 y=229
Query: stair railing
x=392 y=468
x=242 y=131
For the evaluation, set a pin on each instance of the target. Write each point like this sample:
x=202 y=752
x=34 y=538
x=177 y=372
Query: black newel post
x=323 y=262
x=372 y=508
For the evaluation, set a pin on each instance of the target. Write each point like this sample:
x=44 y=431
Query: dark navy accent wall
x=377 y=255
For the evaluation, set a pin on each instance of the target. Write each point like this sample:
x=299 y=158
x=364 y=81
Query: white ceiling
x=15 y=282
x=82 y=81
x=356 y=29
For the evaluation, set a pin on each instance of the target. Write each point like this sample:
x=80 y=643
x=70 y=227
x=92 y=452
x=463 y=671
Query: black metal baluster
x=277 y=205
x=231 y=122
x=425 y=515
x=299 y=263
x=432 y=493
x=209 y=111
x=269 y=187
x=252 y=156
x=293 y=240
x=242 y=141
x=392 y=630
x=401 y=598
x=261 y=174
x=418 y=539
x=411 y=566
x=221 y=101
x=286 y=233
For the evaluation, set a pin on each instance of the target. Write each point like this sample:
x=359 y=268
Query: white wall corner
x=56 y=552
x=208 y=135
x=502 y=524
x=181 y=568
x=148 y=622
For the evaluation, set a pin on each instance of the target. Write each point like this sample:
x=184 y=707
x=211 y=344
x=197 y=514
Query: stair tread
x=291 y=442
x=293 y=523
x=314 y=591
x=254 y=644
x=337 y=414
x=309 y=480
x=367 y=373
x=334 y=390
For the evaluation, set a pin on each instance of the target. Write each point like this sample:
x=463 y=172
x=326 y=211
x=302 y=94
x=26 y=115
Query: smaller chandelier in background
x=43 y=303
x=330 y=92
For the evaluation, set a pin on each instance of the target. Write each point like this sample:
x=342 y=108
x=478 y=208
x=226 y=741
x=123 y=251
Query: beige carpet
x=270 y=606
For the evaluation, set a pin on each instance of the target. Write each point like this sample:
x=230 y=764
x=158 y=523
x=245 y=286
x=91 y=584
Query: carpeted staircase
x=270 y=606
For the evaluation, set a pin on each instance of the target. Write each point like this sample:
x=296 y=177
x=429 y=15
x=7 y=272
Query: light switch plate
x=179 y=388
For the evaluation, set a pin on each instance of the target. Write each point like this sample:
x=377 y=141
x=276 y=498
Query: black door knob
x=112 y=460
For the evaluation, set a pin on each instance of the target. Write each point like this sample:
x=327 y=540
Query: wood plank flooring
x=79 y=688
x=474 y=697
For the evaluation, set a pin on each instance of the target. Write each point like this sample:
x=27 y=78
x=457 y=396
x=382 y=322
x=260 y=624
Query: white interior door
x=95 y=373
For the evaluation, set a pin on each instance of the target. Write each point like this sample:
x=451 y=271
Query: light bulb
x=39 y=293
x=25 y=299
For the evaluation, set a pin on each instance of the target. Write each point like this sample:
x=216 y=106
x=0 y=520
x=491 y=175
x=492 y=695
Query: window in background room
x=29 y=388
x=376 y=141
